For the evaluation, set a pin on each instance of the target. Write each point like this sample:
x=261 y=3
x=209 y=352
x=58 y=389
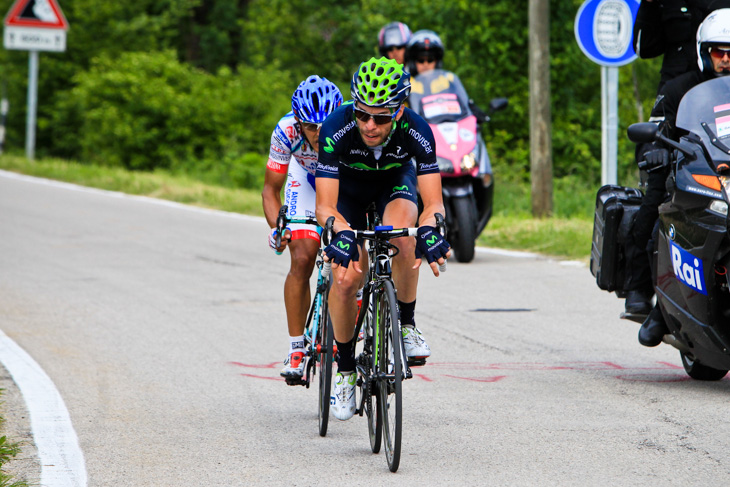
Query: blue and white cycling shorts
x=299 y=196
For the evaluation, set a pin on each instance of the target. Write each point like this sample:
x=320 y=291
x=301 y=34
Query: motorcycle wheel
x=466 y=221
x=700 y=372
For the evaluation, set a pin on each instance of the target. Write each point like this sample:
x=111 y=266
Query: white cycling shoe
x=294 y=366
x=342 y=400
x=414 y=343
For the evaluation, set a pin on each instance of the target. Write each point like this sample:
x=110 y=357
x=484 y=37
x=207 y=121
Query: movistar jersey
x=341 y=147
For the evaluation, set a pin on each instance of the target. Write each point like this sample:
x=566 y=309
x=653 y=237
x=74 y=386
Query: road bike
x=318 y=334
x=381 y=367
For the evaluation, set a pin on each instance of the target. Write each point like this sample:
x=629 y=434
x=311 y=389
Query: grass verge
x=566 y=235
x=8 y=450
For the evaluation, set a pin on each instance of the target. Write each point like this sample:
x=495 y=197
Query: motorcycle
x=692 y=244
x=466 y=172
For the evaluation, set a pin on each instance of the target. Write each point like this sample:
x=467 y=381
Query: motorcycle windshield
x=438 y=96
x=705 y=111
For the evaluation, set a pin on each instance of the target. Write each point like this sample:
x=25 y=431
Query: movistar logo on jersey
x=330 y=147
x=404 y=125
x=343 y=246
x=421 y=140
x=688 y=269
x=337 y=136
x=432 y=240
x=400 y=188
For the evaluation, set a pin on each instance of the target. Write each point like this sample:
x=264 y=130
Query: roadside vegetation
x=8 y=451
x=566 y=235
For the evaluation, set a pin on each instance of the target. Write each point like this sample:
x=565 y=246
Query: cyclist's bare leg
x=296 y=287
x=402 y=213
x=342 y=302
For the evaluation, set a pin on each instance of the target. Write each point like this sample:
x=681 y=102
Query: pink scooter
x=466 y=171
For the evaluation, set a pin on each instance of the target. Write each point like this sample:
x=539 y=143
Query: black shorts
x=358 y=190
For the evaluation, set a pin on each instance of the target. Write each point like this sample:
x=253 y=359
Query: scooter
x=692 y=244
x=466 y=171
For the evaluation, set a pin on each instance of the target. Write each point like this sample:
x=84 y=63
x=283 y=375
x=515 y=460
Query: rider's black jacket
x=638 y=271
x=668 y=28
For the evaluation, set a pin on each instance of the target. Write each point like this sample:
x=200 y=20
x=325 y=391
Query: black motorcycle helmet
x=394 y=34
x=424 y=43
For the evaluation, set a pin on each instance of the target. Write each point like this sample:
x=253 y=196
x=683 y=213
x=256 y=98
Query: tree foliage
x=197 y=85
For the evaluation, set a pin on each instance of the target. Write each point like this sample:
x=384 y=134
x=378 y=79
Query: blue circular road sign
x=604 y=30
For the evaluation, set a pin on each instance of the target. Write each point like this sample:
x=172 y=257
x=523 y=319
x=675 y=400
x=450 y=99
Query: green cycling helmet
x=381 y=83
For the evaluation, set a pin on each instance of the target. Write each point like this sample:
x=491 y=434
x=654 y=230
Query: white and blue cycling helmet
x=314 y=99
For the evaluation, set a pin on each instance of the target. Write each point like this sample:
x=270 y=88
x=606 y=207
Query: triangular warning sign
x=44 y=14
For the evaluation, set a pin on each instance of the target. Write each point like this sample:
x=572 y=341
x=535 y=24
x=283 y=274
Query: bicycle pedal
x=296 y=381
x=416 y=362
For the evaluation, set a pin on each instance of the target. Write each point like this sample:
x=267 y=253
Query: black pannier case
x=616 y=208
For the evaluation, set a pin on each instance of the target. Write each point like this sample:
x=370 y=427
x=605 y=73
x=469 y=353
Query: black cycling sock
x=407 y=311
x=345 y=356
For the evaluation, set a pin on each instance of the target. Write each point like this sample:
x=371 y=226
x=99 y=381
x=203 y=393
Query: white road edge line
x=62 y=461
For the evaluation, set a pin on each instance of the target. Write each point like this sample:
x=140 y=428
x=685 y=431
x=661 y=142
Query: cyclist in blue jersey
x=366 y=148
x=293 y=160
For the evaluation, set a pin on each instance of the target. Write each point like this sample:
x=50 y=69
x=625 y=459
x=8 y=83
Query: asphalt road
x=163 y=329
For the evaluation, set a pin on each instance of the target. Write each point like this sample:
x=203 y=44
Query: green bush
x=145 y=111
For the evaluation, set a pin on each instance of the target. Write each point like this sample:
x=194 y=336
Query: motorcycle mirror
x=497 y=104
x=644 y=132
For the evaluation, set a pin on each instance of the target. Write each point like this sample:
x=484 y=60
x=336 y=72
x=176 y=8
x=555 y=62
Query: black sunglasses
x=380 y=119
x=425 y=60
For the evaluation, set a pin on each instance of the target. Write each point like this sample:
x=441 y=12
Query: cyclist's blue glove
x=431 y=244
x=343 y=248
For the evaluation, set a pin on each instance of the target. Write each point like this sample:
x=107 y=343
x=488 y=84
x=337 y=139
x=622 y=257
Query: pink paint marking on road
x=263 y=377
x=272 y=365
x=496 y=378
x=423 y=377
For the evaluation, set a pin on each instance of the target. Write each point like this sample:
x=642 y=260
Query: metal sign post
x=604 y=29
x=34 y=25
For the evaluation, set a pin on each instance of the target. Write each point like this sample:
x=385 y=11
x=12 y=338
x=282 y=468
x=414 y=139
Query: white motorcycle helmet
x=713 y=31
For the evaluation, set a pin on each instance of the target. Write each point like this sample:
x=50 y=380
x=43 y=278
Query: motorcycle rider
x=365 y=156
x=392 y=41
x=662 y=28
x=667 y=28
x=713 y=59
x=424 y=53
x=293 y=159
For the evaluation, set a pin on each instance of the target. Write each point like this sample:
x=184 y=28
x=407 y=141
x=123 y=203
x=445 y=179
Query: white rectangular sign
x=34 y=39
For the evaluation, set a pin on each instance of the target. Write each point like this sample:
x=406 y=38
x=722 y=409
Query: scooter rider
x=293 y=159
x=392 y=41
x=365 y=156
x=713 y=59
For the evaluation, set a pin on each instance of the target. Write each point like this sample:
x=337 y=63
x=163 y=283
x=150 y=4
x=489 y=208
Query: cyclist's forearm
x=428 y=217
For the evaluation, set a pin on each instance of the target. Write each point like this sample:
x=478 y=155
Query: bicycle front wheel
x=324 y=366
x=389 y=373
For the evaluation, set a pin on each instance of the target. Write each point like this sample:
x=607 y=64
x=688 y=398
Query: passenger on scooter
x=425 y=52
x=392 y=41
x=713 y=59
x=664 y=28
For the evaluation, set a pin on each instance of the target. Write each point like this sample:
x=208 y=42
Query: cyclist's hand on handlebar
x=430 y=244
x=284 y=240
x=341 y=251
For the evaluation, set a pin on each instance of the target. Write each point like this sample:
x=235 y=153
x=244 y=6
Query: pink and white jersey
x=287 y=142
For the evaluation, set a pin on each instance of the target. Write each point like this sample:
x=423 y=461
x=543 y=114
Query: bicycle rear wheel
x=389 y=371
x=324 y=366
